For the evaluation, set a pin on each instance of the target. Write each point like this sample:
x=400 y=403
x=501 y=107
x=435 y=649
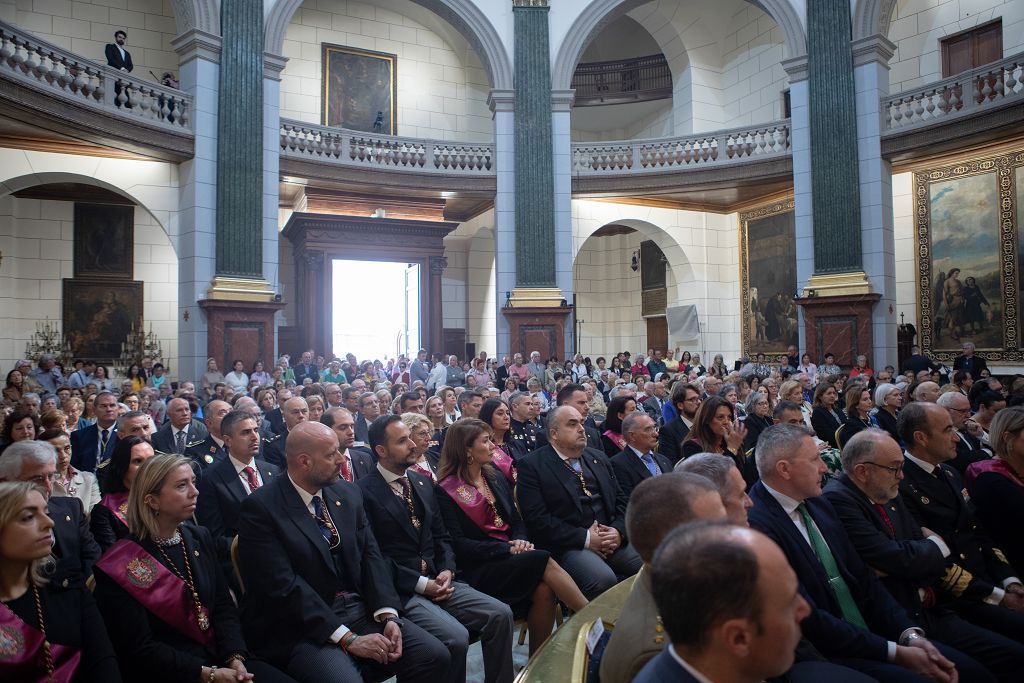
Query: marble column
x=502 y=104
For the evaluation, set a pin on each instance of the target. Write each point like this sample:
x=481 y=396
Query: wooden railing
x=625 y=80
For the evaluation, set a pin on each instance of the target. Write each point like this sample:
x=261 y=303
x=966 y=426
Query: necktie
x=179 y=442
x=323 y=521
x=407 y=496
x=346 y=469
x=576 y=466
x=885 y=519
x=577 y=469
x=250 y=475
x=104 y=438
x=847 y=606
x=652 y=466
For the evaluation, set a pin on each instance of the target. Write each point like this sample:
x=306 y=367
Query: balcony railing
x=702 y=150
x=988 y=87
x=624 y=80
x=385 y=152
x=55 y=71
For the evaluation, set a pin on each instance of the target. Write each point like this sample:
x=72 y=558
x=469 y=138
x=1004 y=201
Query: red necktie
x=250 y=475
x=885 y=519
x=346 y=469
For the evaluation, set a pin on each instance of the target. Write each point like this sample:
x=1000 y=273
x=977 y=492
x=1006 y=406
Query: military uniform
x=527 y=436
x=273 y=450
x=205 y=452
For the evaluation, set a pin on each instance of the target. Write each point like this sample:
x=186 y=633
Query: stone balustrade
x=55 y=71
x=972 y=92
x=701 y=150
x=385 y=152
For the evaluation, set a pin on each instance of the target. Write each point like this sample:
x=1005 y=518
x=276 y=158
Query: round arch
x=872 y=17
x=203 y=15
x=600 y=12
x=463 y=15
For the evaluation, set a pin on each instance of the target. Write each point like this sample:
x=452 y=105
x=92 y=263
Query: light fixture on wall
x=634 y=262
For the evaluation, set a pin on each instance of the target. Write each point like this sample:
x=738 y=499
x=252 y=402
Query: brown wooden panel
x=657 y=333
x=455 y=342
x=973 y=48
x=244 y=341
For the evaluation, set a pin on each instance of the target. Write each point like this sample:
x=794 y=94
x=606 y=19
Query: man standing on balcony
x=117 y=56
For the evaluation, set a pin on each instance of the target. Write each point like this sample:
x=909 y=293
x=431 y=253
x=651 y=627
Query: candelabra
x=47 y=339
x=137 y=345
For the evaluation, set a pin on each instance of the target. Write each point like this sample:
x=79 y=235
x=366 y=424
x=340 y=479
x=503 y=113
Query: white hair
x=17 y=454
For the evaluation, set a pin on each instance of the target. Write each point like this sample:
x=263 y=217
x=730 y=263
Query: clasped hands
x=440 y=588
x=383 y=647
x=604 y=540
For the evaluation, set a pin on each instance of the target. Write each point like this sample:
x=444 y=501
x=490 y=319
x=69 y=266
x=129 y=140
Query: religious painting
x=968 y=290
x=104 y=236
x=99 y=314
x=769 y=319
x=360 y=90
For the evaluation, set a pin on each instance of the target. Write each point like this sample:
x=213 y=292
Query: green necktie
x=851 y=612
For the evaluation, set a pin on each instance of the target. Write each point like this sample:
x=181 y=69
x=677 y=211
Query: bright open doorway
x=376 y=308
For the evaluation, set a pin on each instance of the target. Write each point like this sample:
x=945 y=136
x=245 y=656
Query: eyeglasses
x=895 y=471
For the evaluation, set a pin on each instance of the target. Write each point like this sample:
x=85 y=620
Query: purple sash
x=503 y=461
x=617 y=439
x=476 y=507
x=157 y=588
x=22 y=656
x=118 y=504
x=995 y=465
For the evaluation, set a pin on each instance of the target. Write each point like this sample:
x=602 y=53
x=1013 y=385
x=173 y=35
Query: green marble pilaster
x=534 y=169
x=835 y=179
x=240 y=141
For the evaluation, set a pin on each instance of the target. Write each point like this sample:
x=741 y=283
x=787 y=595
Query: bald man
x=210 y=450
x=328 y=611
x=295 y=411
x=179 y=430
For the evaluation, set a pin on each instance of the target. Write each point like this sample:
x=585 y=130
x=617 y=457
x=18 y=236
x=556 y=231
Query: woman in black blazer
x=143 y=576
x=108 y=521
x=32 y=614
x=826 y=418
x=888 y=400
x=491 y=547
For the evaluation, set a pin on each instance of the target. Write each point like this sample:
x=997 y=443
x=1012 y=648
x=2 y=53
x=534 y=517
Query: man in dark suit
x=74 y=549
x=324 y=605
x=655 y=401
x=356 y=462
x=93 y=445
x=306 y=368
x=406 y=521
x=118 y=57
x=969 y=362
x=369 y=410
x=295 y=411
x=276 y=419
x=638 y=461
x=227 y=482
x=575 y=395
x=979 y=584
x=730 y=605
x=574 y=508
x=853 y=621
x=968 y=447
x=866 y=499
x=179 y=430
x=208 y=451
x=686 y=399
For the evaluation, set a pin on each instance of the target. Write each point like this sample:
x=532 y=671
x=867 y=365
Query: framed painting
x=104 y=236
x=99 y=314
x=966 y=242
x=360 y=89
x=769 y=321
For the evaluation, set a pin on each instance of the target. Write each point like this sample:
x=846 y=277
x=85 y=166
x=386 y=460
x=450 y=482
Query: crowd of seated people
x=337 y=520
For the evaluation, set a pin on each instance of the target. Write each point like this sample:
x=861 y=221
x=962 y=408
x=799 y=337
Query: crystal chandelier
x=47 y=339
x=137 y=345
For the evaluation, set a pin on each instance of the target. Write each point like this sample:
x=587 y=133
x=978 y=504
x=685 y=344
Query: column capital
x=196 y=44
x=530 y=3
x=501 y=100
x=561 y=100
x=273 y=65
x=796 y=68
x=876 y=48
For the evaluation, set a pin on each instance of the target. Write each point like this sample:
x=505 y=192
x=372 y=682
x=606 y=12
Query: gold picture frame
x=965 y=226
x=360 y=89
x=770 y=232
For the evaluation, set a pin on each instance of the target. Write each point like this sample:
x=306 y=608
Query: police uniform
x=527 y=436
x=205 y=452
x=273 y=450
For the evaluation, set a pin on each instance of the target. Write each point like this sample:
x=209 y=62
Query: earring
x=469 y=459
x=156 y=513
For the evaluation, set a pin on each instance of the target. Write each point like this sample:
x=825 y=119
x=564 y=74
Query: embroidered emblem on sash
x=465 y=494
x=12 y=642
x=141 y=572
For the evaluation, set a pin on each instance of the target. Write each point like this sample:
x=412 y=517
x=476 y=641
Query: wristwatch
x=389 y=618
x=910 y=635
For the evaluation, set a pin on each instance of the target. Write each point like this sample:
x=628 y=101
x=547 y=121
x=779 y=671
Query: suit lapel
x=393 y=504
x=334 y=504
x=231 y=481
x=302 y=518
x=637 y=465
x=564 y=474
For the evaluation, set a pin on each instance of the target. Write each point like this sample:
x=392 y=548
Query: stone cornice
x=501 y=100
x=273 y=65
x=796 y=68
x=876 y=48
x=561 y=100
x=196 y=44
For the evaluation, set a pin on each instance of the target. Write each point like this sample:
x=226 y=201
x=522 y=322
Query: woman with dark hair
x=18 y=426
x=81 y=485
x=259 y=375
x=685 y=360
x=45 y=635
x=237 y=379
x=496 y=414
x=858 y=413
x=825 y=416
x=101 y=379
x=715 y=430
x=612 y=439
x=109 y=520
x=489 y=538
x=15 y=387
x=162 y=593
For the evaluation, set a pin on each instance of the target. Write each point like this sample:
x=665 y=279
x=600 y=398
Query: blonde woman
x=59 y=635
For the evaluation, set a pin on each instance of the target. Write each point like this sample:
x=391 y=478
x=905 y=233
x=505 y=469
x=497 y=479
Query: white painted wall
x=86 y=26
x=36 y=238
x=442 y=86
x=917 y=26
x=469 y=284
x=906 y=264
x=752 y=75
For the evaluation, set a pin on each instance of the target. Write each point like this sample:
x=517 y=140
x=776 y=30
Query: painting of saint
x=360 y=90
x=965 y=244
x=98 y=315
x=770 y=322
